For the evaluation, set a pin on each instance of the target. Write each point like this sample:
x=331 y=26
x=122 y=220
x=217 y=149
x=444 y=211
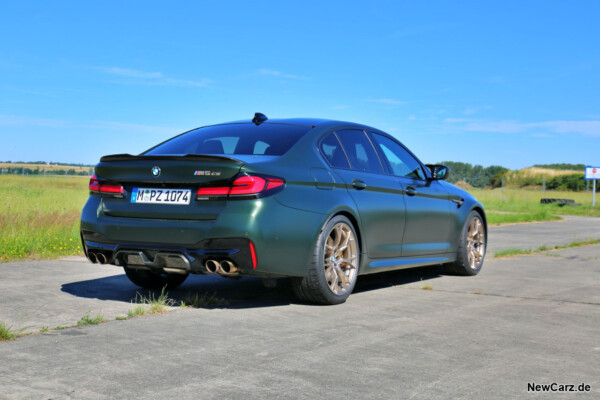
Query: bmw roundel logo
x=156 y=171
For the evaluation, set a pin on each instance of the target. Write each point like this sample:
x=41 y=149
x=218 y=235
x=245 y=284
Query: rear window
x=242 y=139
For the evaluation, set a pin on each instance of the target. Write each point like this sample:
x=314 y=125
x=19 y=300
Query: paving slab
x=534 y=235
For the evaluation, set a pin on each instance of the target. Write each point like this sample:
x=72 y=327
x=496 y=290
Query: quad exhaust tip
x=102 y=258
x=213 y=266
x=228 y=267
x=222 y=268
x=97 y=258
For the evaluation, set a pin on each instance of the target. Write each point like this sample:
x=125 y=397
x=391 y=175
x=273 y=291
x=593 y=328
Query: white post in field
x=593 y=173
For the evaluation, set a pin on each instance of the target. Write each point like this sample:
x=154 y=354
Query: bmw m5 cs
x=318 y=201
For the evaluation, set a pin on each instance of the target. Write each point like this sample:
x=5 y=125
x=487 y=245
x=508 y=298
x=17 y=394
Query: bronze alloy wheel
x=475 y=243
x=340 y=258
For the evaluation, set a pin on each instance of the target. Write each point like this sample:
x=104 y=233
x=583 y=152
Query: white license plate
x=161 y=196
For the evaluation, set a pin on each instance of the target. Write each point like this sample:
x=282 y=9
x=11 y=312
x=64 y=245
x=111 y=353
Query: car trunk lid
x=165 y=172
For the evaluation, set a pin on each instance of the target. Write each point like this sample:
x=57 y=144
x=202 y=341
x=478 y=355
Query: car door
x=429 y=214
x=377 y=195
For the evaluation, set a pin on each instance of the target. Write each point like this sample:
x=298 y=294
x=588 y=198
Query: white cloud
x=587 y=128
x=132 y=73
x=279 y=74
x=387 y=101
x=134 y=128
x=139 y=77
x=20 y=120
x=187 y=83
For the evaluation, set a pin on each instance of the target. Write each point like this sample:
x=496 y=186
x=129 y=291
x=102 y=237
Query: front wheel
x=472 y=246
x=334 y=267
x=154 y=281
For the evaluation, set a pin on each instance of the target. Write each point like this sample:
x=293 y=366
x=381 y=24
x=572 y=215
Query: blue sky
x=513 y=83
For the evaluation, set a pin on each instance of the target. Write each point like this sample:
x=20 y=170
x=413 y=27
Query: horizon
x=511 y=84
x=70 y=164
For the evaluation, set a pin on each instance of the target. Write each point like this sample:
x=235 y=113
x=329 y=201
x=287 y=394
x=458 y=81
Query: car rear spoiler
x=195 y=157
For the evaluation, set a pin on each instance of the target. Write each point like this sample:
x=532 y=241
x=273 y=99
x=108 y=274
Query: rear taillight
x=244 y=186
x=98 y=188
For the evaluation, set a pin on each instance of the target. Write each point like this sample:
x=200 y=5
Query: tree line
x=474 y=175
x=496 y=175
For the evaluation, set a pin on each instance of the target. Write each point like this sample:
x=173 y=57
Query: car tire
x=471 y=249
x=153 y=281
x=334 y=267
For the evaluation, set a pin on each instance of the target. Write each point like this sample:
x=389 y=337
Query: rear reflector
x=245 y=185
x=253 y=254
x=98 y=188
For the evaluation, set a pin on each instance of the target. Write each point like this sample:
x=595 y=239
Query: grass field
x=524 y=204
x=46 y=167
x=39 y=216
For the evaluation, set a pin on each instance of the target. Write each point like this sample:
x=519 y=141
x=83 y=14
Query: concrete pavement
x=406 y=334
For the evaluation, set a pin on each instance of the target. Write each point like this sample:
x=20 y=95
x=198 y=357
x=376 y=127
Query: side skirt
x=370 y=266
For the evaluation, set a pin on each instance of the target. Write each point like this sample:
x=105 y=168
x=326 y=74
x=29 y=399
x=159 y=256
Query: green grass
x=517 y=252
x=528 y=201
x=151 y=305
x=87 y=319
x=511 y=252
x=137 y=311
x=495 y=218
x=7 y=332
x=203 y=301
x=120 y=318
x=576 y=243
x=39 y=217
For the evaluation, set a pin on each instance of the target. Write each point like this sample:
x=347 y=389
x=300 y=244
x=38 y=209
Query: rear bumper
x=283 y=237
x=236 y=250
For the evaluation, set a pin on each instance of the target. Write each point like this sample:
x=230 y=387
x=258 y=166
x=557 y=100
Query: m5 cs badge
x=207 y=173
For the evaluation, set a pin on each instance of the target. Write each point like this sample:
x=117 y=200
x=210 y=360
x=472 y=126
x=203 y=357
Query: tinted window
x=400 y=160
x=270 y=139
x=333 y=152
x=359 y=150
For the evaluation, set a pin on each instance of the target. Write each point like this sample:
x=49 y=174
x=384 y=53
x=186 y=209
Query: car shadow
x=211 y=291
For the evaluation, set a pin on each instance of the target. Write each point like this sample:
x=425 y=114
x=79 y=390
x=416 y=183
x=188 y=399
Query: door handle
x=459 y=202
x=411 y=191
x=358 y=184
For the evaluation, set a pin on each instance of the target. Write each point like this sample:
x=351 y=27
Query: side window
x=400 y=160
x=360 y=151
x=333 y=152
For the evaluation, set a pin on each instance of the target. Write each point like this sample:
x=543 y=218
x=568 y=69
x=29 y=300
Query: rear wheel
x=471 y=249
x=152 y=280
x=334 y=267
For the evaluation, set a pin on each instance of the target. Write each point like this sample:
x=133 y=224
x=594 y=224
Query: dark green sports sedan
x=318 y=201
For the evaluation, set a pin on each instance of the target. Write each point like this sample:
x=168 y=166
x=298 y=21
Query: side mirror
x=439 y=172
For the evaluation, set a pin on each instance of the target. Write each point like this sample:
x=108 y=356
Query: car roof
x=310 y=122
